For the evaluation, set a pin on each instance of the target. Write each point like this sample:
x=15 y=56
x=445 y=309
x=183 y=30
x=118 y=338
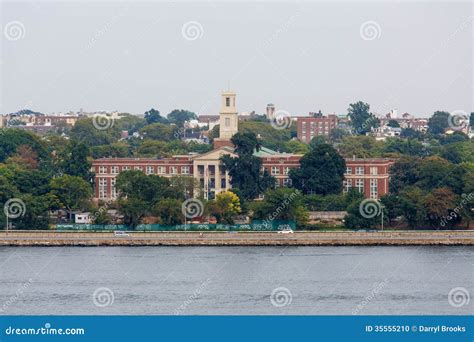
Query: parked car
x=286 y=230
x=120 y=233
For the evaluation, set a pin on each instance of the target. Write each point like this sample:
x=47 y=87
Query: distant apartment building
x=308 y=127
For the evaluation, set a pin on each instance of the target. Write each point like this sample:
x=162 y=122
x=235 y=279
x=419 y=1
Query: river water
x=236 y=280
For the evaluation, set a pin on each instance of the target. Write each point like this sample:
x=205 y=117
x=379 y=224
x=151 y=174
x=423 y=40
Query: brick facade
x=370 y=176
x=309 y=127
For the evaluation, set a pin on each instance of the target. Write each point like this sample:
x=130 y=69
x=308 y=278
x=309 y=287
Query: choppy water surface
x=236 y=280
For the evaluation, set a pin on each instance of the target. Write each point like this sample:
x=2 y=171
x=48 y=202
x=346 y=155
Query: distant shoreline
x=307 y=238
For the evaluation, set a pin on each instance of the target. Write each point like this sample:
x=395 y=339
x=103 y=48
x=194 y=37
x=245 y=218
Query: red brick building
x=308 y=127
x=369 y=176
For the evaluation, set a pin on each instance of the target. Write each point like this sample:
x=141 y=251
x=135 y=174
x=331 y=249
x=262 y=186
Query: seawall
x=389 y=238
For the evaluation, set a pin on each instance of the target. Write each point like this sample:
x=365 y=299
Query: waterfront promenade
x=304 y=238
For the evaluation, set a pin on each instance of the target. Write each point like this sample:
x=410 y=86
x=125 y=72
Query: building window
x=275 y=170
x=161 y=170
x=102 y=170
x=185 y=170
x=102 y=188
x=360 y=185
x=125 y=168
x=286 y=170
x=347 y=185
x=349 y=170
x=287 y=182
x=373 y=170
x=139 y=168
x=149 y=170
x=373 y=188
x=227 y=122
x=227 y=101
x=173 y=170
x=359 y=170
x=114 y=170
x=223 y=183
x=112 y=188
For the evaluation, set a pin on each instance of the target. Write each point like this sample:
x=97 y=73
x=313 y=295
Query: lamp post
x=381 y=209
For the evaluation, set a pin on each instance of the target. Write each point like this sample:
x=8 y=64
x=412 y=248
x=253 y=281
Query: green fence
x=254 y=226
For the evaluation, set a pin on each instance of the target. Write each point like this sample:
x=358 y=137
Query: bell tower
x=228 y=119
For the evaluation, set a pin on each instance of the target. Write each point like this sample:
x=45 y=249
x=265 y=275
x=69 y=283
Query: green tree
x=245 y=170
x=180 y=116
x=139 y=194
x=362 y=120
x=159 y=131
x=438 y=205
x=412 y=206
x=321 y=171
x=360 y=216
x=281 y=204
x=438 y=123
x=337 y=134
x=411 y=133
x=169 y=211
x=11 y=139
x=90 y=133
x=393 y=123
x=225 y=207
x=75 y=160
x=153 y=116
x=360 y=147
x=72 y=192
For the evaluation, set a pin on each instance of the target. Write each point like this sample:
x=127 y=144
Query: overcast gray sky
x=131 y=56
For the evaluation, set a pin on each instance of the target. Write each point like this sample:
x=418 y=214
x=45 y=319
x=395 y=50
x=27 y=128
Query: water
x=234 y=280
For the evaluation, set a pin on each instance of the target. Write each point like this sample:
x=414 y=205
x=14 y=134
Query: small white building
x=84 y=218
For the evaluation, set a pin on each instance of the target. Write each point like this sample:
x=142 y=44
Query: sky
x=131 y=56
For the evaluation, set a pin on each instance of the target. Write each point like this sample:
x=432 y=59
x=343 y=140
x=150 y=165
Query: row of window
x=359 y=170
x=161 y=170
x=359 y=185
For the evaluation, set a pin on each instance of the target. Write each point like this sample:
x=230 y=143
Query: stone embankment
x=343 y=238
